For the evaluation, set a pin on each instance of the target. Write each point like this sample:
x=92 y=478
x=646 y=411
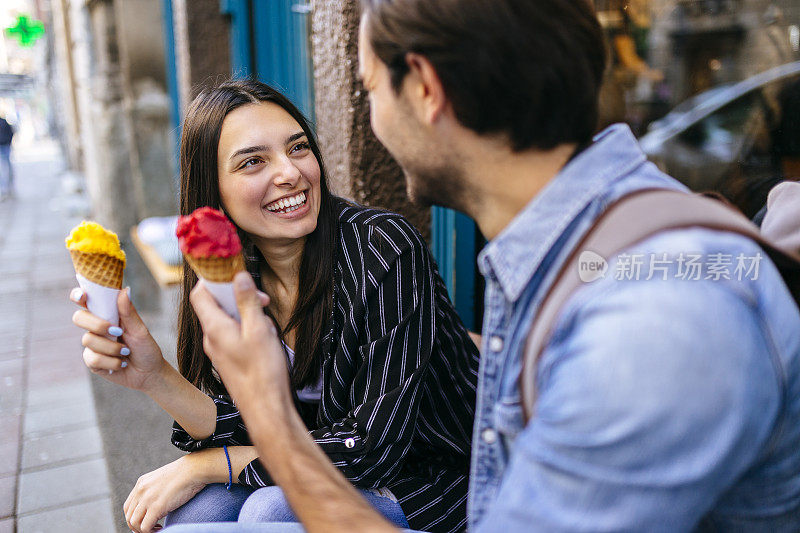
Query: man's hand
x=249 y=357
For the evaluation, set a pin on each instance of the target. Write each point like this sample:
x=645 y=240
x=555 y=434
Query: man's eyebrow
x=248 y=150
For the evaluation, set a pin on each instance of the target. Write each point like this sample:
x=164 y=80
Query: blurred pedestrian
x=6 y=172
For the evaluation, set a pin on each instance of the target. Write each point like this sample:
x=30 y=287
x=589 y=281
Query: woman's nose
x=287 y=173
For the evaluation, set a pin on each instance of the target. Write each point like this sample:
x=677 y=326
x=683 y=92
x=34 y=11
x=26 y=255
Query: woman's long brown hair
x=200 y=187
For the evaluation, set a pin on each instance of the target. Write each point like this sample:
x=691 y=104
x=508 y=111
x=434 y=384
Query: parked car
x=737 y=139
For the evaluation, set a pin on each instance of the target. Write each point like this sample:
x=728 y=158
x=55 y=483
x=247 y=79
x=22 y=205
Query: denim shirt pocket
x=508 y=419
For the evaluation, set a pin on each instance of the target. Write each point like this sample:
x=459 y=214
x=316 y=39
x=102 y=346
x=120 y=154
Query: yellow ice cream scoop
x=92 y=238
x=96 y=254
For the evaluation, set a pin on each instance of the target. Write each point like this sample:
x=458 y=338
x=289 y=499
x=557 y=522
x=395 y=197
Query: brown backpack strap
x=627 y=222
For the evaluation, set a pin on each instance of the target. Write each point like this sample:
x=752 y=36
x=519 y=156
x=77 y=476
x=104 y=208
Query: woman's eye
x=250 y=162
x=299 y=147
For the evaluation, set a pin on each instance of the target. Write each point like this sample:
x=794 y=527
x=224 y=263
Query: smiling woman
x=383 y=371
x=246 y=149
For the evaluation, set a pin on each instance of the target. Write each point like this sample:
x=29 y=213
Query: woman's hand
x=133 y=359
x=164 y=490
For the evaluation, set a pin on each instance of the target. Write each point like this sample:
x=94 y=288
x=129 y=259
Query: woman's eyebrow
x=295 y=136
x=248 y=150
x=263 y=148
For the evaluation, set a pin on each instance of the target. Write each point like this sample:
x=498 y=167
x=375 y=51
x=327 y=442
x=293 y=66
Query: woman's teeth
x=287 y=205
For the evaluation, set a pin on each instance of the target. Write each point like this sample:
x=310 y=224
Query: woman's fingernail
x=124 y=364
x=125 y=351
x=128 y=292
x=76 y=294
x=115 y=331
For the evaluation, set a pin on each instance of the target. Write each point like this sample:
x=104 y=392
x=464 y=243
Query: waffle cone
x=216 y=269
x=98 y=268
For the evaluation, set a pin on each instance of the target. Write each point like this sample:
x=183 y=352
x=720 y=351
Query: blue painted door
x=455 y=244
x=270 y=39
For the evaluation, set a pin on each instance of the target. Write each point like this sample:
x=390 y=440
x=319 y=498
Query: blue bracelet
x=230 y=471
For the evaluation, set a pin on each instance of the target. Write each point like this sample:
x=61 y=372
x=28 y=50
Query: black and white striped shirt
x=399 y=376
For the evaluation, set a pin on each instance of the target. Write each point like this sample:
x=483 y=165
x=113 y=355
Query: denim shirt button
x=495 y=343
x=489 y=436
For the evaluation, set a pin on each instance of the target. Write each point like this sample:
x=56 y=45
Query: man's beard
x=437 y=186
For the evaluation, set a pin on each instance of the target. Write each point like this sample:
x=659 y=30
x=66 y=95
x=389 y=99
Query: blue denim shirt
x=664 y=404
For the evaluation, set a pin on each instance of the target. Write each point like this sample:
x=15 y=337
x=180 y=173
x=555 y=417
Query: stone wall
x=202 y=46
x=358 y=165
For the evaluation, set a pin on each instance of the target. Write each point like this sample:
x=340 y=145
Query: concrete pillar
x=202 y=46
x=143 y=68
x=106 y=134
x=358 y=165
x=65 y=79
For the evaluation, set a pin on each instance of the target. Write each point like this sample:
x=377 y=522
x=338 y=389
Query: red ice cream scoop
x=207 y=232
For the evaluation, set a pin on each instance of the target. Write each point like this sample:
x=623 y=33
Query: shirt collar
x=514 y=255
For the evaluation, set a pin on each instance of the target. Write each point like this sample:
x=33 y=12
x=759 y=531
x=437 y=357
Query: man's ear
x=425 y=88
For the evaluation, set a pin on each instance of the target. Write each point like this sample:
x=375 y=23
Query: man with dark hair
x=6 y=171
x=664 y=401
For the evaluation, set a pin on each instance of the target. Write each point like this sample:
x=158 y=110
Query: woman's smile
x=289 y=207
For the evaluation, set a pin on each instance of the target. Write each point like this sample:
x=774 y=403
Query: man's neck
x=505 y=182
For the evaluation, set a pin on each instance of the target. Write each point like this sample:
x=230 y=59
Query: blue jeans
x=6 y=172
x=216 y=504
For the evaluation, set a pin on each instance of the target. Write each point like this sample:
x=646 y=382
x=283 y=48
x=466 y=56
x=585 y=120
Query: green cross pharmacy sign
x=26 y=31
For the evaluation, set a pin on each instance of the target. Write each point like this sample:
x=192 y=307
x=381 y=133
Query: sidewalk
x=53 y=474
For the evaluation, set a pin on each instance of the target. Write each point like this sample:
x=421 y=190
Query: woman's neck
x=281 y=280
x=283 y=263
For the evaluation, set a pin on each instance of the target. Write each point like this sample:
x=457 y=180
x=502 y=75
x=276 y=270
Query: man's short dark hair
x=529 y=68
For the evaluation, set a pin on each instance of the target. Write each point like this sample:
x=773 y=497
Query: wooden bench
x=165 y=275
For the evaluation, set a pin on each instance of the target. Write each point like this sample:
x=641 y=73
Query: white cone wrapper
x=223 y=293
x=101 y=301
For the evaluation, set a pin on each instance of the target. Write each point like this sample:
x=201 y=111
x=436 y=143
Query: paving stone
x=11 y=424
x=58 y=347
x=12 y=339
x=54 y=316
x=7 y=526
x=12 y=324
x=66 y=332
x=11 y=369
x=51 y=419
x=62 y=485
x=68 y=445
x=55 y=370
x=77 y=390
x=10 y=356
x=12 y=282
x=9 y=458
x=8 y=488
x=94 y=516
x=11 y=386
x=13 y=266
x=11 y=399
